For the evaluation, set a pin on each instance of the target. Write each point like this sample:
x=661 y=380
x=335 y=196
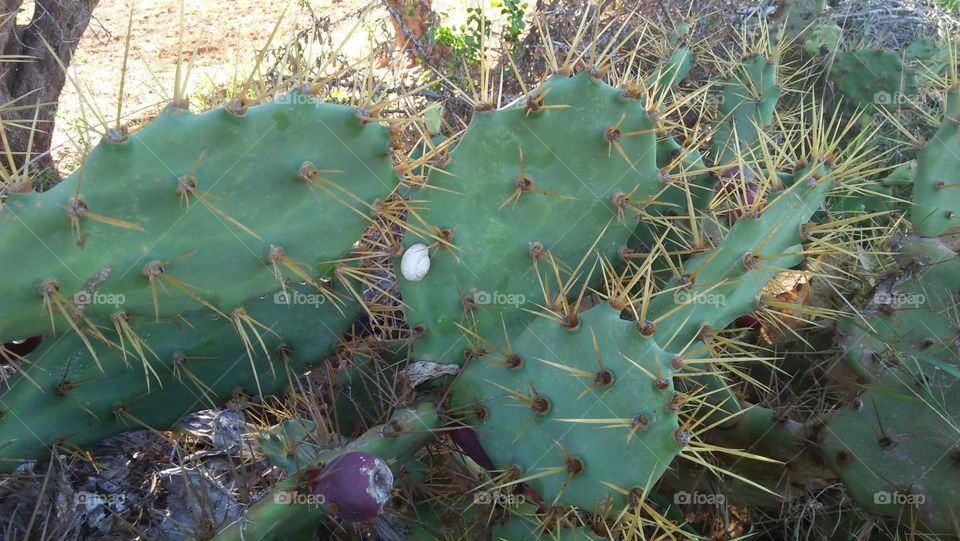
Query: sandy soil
x=215 y=35
x=220 y=41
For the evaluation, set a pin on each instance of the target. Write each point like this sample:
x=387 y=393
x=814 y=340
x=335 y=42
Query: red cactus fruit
x=355 y=486
x=20 y=348
x=466 y=439
x=749 y=320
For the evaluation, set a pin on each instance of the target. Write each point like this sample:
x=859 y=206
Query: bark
x=412 y=20
x=36 y=82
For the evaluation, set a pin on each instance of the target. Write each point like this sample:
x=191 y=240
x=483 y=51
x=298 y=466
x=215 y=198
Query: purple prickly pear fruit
x=19 y=348
x=466 y=439
x=355 y=486
x=534 y=495
x=749 y=320
x=734 y=173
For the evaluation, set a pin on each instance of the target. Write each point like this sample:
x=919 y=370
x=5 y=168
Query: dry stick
x=406 y=29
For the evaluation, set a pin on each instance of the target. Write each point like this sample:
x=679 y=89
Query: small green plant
x=467 y=41
x=513 y=10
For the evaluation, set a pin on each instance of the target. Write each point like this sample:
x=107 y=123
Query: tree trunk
x=31 y=86
x=411 y=19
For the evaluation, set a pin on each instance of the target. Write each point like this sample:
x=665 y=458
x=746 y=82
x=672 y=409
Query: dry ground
x=220 y=41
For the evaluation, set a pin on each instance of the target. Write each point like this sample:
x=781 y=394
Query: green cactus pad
x=509 y=226
x=936 y=192
x=897 y=450
x=205 y=204
x=925 y=52
x=521 y=528
x=747 y=103
x=671 y=72
x=874 y=77
x=687 y=193
x=686 y=185
x=903 y=175
x=908 y=313
x=196 y=361
x=795 y=17
x=823 y=40
x=572 y=429
x=721 y=284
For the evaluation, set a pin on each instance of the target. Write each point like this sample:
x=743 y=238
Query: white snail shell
x=415 y=262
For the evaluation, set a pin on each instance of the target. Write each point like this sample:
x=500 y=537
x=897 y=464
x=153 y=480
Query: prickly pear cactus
x=823 y=40
x=746 y=108
x=874 y=77
x=796 y=18
x=936 y=193
x=910 y=305
x=687 y=186
x=927 y=57
x=747 y=98
x=582 y=411
x=286 y=512
x=522 y=387
x=575 y=250
x=191 y=212
x=718 y=285
x=521 y=527
x=896 y=448
x=896 y=451
x=530 y=194
x=153 y=373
